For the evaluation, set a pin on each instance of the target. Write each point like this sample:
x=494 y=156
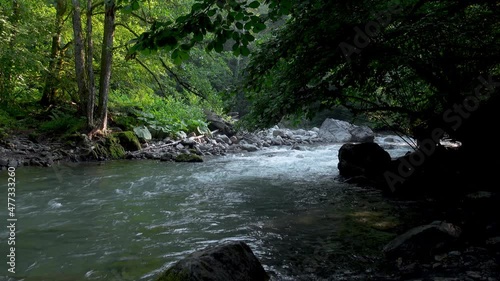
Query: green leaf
x=127 y=9
x=239 y=16
x=236 y=46
x=258 y=27
x=210 y=47
x=236 y=51
x=186 y=47
x=244 y=51
x=184 y=55
x=254 y=5
x=198 y=37
x=239 y=25
x=219 y=47
x=135 y=5
x=197 y=7
x=211 y=12
x=249 y=37
x=248 y=25
x=175 y=54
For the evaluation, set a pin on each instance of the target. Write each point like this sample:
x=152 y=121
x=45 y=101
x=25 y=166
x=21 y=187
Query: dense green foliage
x=413 y=58
x=405 y=62
x=402 y=62
x=38 y=86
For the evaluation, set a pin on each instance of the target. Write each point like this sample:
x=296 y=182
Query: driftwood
x=177 y=142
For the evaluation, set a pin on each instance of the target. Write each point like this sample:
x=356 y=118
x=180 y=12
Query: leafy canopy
x=413 y=58
x=212 y=23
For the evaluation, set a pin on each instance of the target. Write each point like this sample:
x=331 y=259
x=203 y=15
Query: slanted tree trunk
x=90 y=68
x=81 y=78
x=106 y=62
x=6 y=83
x=50 y=89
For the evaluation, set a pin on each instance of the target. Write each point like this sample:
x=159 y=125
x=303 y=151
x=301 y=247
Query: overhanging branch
x=184 y=84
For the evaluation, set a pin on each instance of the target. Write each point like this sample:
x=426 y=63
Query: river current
x=129 y=220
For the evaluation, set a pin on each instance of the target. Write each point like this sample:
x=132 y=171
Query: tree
x=50 y=90
x=23 y=49
x=106 y=62
x=79 y=51
x=6 y=84
x=90 y=67
x=84 y=69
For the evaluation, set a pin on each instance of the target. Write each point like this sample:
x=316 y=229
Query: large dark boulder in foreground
x=363 y=162
x=229 y=262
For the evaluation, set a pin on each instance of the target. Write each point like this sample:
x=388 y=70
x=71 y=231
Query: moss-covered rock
x=128 y=140
x=185 y=157
x=116 y=150
x=107 y=148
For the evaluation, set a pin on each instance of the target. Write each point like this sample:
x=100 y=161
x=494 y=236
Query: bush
x=62 y=123
x=162 y=115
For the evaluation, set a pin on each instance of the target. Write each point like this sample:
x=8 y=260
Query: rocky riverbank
x=25 y=150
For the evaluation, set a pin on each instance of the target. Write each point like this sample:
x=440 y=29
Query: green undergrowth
x=164 y=116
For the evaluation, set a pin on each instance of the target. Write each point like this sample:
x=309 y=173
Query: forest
x=78 y=67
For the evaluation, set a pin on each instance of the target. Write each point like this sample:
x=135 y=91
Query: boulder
x=249 y=147
x=362 y=134
x=224 y=139
x=364 y=160
x=143 y=133
x=423 y=241
x=333 y=130
x=279 y=132
x=128 y=140
x=233 y=261
x=216 y=122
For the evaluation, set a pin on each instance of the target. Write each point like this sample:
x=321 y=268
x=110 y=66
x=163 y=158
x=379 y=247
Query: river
x=129 y=220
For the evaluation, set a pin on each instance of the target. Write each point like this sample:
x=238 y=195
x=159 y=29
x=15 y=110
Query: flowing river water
x=129 y=220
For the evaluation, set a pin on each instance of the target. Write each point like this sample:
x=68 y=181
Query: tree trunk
x=6 y=84
x=90 y=68
x=80 y=58
x=106 y=62
x=50 y=89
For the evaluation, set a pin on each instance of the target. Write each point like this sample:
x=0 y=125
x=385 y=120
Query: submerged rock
x=186 y=157
x=423 y=241
x=230 y=262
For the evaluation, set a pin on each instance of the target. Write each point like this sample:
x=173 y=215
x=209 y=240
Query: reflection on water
x=128 y=220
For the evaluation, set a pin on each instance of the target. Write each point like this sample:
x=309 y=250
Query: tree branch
x=184 y=84
x=127 y=28
x=152 y=74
